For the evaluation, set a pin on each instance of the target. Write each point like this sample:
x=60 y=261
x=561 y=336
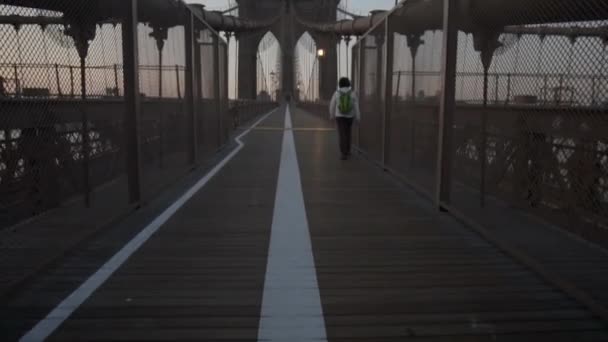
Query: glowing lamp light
x=320 y=52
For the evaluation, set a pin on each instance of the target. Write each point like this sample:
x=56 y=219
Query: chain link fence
x=538 y=137
x=90 y=126
x=60 y=80
x=372 y=76
x=526 y=126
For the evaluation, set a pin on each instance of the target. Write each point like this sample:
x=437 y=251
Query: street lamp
x=321 y=53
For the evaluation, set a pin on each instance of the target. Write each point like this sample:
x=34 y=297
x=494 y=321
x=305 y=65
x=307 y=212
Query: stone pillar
x=328 y=65
x=248 y=47
x=287 y=41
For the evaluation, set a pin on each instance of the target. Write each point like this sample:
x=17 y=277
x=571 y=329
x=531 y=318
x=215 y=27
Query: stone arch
x=269 y=72
x=306 y=68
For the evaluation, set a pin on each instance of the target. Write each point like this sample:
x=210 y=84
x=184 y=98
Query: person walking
x=344 y=108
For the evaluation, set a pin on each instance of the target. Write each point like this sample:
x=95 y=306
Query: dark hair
x=344 y=82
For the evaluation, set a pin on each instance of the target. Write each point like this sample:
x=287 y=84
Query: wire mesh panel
x=357 y=84
x=89 y=125
x=371 y=95
x=530 y=124
x=62 y=146
x=226 y=120
x=209 y=119
x=163 y=122
x=416 y=83
x=61 y=120
x=529 y=116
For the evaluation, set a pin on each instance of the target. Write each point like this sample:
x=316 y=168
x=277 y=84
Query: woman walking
x=344 y=108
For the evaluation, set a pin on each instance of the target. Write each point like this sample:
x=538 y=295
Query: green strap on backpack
x=345 y=104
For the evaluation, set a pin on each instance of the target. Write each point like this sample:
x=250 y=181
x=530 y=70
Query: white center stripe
x=291 y=305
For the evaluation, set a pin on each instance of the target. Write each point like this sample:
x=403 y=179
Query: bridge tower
x=288 y=31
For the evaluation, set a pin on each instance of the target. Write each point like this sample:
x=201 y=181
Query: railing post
x=160 y=73
x=58 y=80
x=116 y=80
x=200 y=107
x=388 y=92
x=86 y=143
x=190 y=91
x=198 y=69
x=216 y=86
x=177 y=79
x=508 y=100
x=544 y=89
x=593 y=91
x=132 y=99
x=558 y=96
x=448 y=103
x=396 y=94
x=380 y=60
x=72 y=82
x=17 y=83
x=360 y=80
x=483 y=153
x=496 y=86
x=226 y=88
x=412 y=142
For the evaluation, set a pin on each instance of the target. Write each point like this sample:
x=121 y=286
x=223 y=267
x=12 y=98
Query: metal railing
x=61 y=81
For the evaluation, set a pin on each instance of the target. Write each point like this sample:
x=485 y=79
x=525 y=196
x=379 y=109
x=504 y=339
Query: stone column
x=328 y=65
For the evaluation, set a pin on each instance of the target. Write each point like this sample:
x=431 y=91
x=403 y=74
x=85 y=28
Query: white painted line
x=64 y=310
x=291 y=304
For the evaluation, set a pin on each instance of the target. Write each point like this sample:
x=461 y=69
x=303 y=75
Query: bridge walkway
x=288 y=243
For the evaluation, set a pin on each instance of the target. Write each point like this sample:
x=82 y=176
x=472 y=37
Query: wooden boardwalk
x=389 y=267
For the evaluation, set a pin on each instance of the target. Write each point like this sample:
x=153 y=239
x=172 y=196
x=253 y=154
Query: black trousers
x=345 y=128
